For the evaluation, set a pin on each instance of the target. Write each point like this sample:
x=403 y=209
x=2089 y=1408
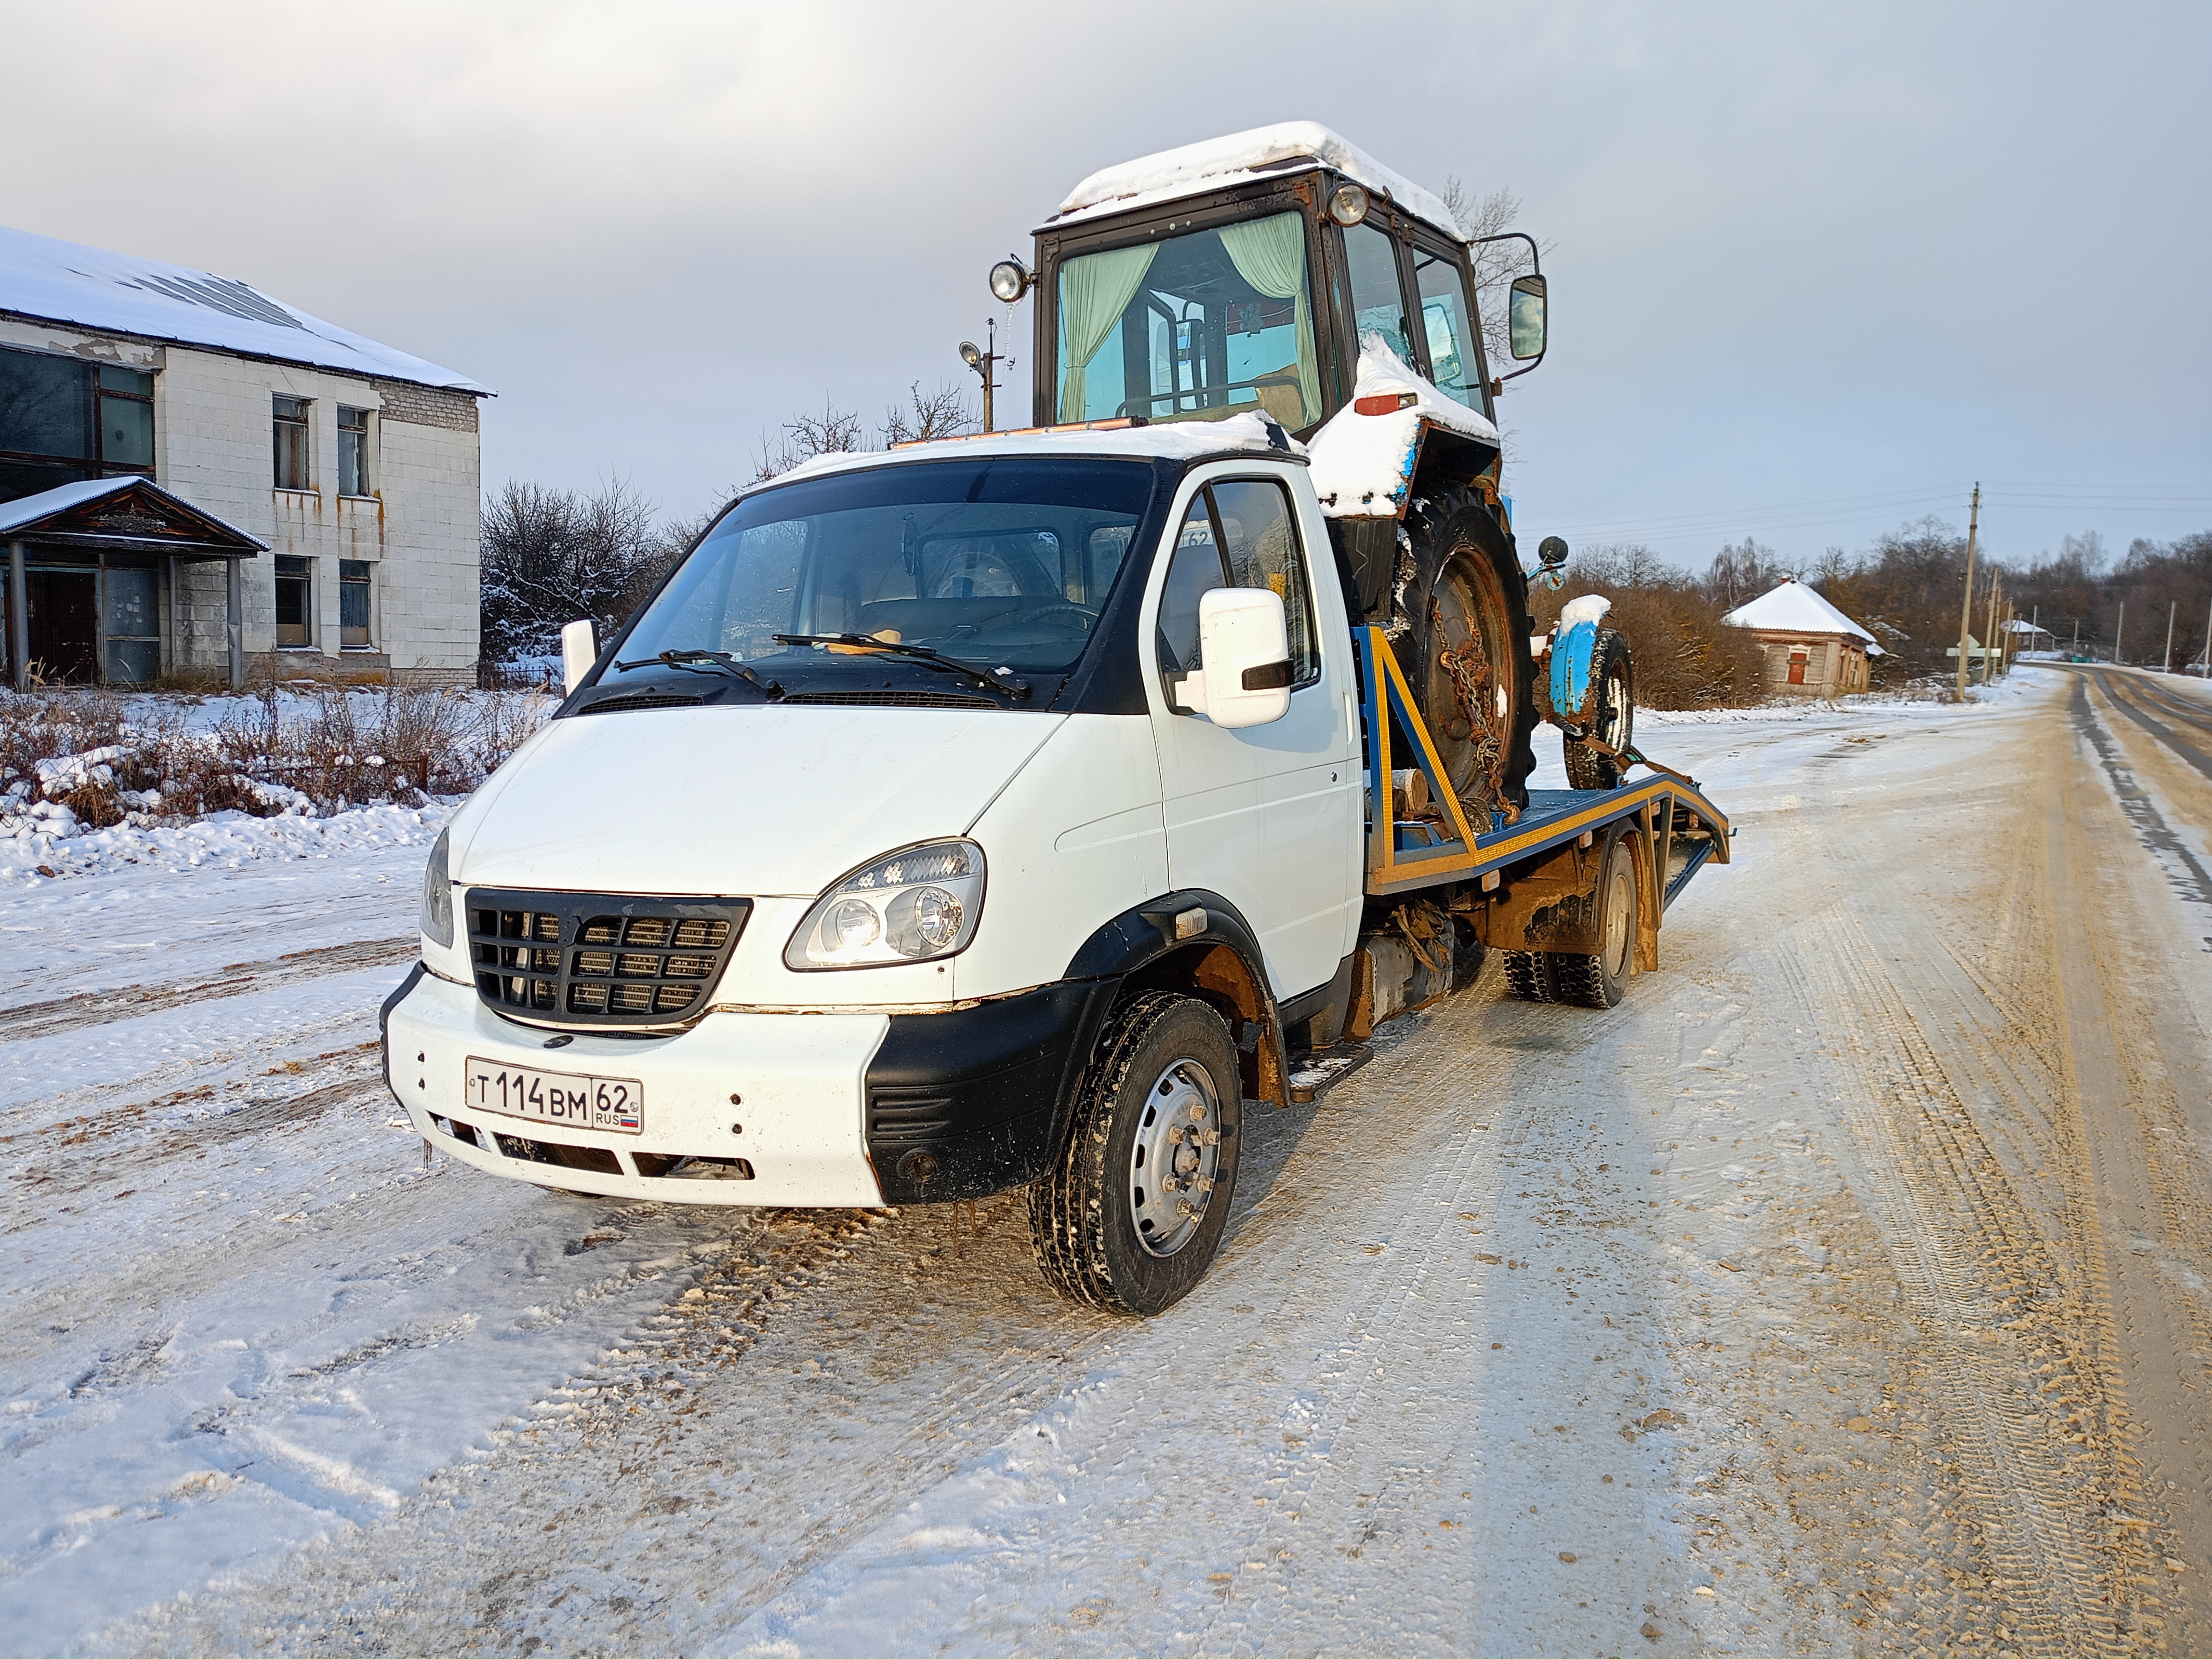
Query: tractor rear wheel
x=1464 y=647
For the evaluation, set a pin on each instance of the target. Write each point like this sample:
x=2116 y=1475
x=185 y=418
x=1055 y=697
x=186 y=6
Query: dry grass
x=109 y=761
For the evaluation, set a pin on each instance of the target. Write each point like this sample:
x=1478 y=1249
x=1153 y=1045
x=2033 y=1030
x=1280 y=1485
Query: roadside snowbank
x=225 y=840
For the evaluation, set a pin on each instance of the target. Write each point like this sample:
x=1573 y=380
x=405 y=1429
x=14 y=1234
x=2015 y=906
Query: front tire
x=1131 y=1217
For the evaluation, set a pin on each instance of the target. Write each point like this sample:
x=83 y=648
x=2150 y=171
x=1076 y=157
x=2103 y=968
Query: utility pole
x=2204 y=668
x=1966 y=610
x=985 y=363
x=2076 y=651
x=2165 y=665
x=2119 y=632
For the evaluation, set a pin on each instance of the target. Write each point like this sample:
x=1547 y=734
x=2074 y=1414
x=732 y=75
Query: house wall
x=418 y=530
x=1834 y=664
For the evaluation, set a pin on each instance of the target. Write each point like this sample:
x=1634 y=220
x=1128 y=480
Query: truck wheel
x=1613 y=718
x=1528 y=976
x=1131 y=1217
x=1465 y=609
x=1599 y=980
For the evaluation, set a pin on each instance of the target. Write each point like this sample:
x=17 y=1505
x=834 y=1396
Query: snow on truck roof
x=58 y=282
x=1794 y=608
x=1209 y=165
x=1180 y=440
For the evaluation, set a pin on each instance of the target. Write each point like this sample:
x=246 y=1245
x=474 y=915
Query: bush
x=1685 y=656
x=93 y=759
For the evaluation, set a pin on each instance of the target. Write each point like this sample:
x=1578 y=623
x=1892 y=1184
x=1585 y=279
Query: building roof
x=1194 y=169
x=116 y=512
x=122 y=294
x=1794 y=608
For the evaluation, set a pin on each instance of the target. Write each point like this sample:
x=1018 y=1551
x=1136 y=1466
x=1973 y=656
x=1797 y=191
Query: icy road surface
x=1844 y=1290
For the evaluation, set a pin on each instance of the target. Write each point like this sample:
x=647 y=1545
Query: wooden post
x=2165 y=663
x=2204 y=668
x=1966 y=610
x=2119 y=632
x=1987 y=639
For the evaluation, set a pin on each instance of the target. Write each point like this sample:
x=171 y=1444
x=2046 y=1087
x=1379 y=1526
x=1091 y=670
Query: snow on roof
x=29 y=509
x=1179 y=441
x=64 y=282
x=1217 y=161
x=1363 y=464
x=1794 y=608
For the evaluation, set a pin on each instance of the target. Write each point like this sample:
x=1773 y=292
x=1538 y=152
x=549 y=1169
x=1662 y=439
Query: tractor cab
x=1241 y=275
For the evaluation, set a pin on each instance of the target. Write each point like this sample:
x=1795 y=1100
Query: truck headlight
x=909 y=906
x=438 y=894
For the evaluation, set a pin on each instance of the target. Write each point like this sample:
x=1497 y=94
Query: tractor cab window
x=1447 y=327
x=1378 y=300
x=1194 y=328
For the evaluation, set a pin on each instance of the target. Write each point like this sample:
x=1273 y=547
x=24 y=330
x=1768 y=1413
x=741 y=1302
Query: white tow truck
x=1020 y=812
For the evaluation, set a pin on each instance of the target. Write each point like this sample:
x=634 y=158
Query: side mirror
x=1552 y=552
x=1244 y=658
x=1525 y=317
x=580 y=649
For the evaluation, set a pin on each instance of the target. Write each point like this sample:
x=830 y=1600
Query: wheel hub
x=1174 y=1157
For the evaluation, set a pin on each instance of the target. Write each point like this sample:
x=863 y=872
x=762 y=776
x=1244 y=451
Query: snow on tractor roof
x=1209 y=165
x=59 y=281
x=1794 y=608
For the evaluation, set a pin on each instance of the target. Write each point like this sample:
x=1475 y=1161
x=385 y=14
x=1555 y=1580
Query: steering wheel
x=1086 y=617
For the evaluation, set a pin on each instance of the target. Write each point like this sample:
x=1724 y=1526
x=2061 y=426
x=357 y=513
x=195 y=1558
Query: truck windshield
x=1195 y=327
x=1000 y=562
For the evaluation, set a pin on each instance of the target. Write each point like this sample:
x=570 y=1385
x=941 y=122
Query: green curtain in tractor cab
x=1094 y=291
x=1271 y=255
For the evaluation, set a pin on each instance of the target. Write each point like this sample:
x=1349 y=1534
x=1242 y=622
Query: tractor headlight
x=438 y=894
x=910 y=906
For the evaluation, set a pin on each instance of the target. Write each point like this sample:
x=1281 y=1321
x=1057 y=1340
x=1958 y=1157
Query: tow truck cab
x=840 y=924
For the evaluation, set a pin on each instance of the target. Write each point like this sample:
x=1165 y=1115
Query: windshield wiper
x=1018 y=689
x=699 y=662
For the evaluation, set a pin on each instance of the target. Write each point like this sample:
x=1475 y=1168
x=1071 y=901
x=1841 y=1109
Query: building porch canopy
x=132 y=516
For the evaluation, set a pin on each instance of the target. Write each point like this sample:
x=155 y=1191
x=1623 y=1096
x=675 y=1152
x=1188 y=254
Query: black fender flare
x=1141 y=940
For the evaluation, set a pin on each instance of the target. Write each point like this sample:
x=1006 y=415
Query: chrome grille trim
x=599 y=961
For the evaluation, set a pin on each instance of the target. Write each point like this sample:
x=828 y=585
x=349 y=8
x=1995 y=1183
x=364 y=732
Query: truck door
x=1263 y=815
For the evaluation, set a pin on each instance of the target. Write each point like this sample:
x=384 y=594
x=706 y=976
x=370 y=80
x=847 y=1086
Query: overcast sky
x=1815 y=270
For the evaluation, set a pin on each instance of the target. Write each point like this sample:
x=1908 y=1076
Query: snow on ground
x=1455 y=1385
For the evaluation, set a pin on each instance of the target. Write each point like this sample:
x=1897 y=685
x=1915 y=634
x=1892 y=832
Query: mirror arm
x=1535 y=269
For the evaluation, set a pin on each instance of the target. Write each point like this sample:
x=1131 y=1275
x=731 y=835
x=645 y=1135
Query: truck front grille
x=593 y=960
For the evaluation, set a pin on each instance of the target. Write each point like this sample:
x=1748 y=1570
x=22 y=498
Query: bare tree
x=834 y=431
x=942 y=413
x=551 y=557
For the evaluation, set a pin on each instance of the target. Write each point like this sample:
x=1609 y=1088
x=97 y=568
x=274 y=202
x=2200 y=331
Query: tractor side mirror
x=1552 y=552
x=580 y=649
x=1525 y=317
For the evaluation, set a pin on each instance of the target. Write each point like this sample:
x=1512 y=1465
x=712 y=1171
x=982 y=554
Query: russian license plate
x=612 y=1103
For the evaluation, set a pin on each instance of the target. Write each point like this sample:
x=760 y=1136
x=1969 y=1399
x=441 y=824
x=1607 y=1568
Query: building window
x=289 y=428
x=295 y=607
x=62 y=420
x=353 y=451
x=353 y=604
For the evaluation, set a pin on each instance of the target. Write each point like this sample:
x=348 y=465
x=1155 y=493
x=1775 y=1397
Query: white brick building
x=356 y=464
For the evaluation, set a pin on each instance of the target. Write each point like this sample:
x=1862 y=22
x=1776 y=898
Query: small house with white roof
x=316 y=496
x=1812 y=648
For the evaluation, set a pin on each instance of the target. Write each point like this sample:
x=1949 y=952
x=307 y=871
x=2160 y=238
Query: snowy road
x=1847 y=1289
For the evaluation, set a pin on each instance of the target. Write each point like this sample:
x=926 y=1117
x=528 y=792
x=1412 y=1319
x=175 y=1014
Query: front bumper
x=799 y=1080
